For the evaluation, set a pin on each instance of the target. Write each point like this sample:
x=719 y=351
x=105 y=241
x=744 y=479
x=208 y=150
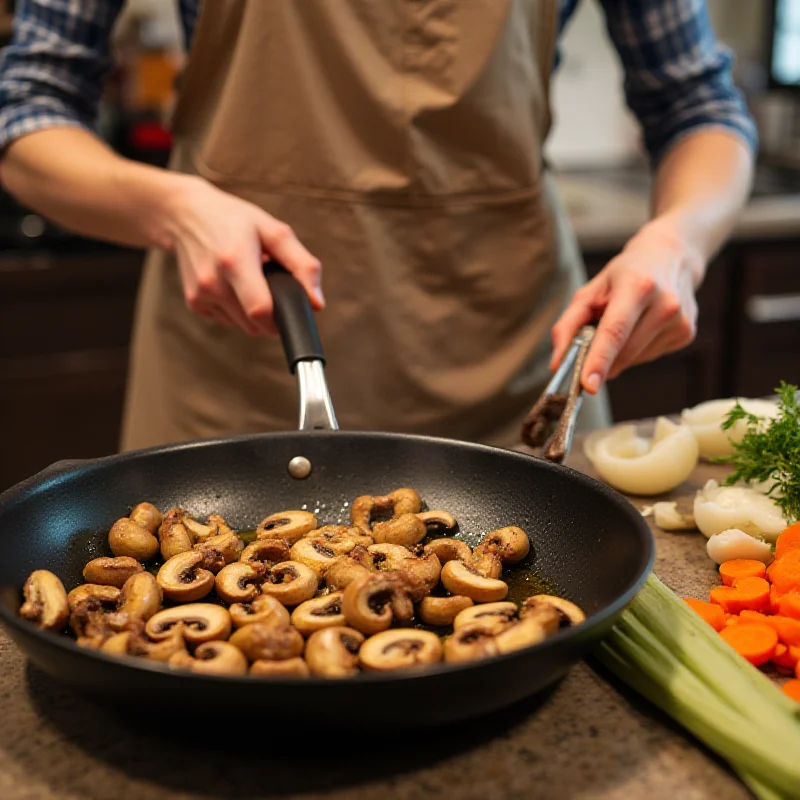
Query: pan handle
x=304 y=354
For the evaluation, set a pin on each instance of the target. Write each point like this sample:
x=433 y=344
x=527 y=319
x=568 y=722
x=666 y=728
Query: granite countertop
x=588 y=737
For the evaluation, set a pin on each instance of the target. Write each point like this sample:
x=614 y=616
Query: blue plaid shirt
x=677 y=75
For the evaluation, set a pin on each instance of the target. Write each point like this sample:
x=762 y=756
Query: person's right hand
x=220 y=243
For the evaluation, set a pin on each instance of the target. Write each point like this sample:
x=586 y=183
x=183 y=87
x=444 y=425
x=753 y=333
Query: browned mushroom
x=495 y=617
x=266 y=552
x=463 y=579
x=219 y=526
x=219 y=550
x=400 y=501
x=345 y=569
x=263 y=609
x=261 y=641
x=396 y=557
x=183 y=578
x=568 y=613
x=406 y=530
x=289 y=525
x=315 y=554
x=139 y=599
x=89 y=621
x=510 y=543
x=521 y=634
x=46 y=604
x=239 y=583
x=290 y=582
x=470 y=643
x=437 y=520
x=200 y=622
x=111 y=571
x=370 y=602
x=446 y=549
x=127 y=538
x=212 y=658
x=288 y=668
x=135 y=642
x=319 y=613
x=174 y=536
x=333 y=652
x=107 y=595
x=146 y=515
x=441 y=611
x=342 y=538
x=400 y=648
x=489 y=565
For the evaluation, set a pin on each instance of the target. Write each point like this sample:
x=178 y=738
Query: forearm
x=74 y=179
x=700 y=187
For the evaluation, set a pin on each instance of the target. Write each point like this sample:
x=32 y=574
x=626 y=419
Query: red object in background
x=150 y=136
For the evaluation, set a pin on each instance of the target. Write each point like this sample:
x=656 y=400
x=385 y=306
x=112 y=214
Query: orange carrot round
x=710 y=612
x=785 y=657
x=755 y=642
x=792 y=688
x=738 y=568
x=788 y=539
x=753 y=616
x=788 y=629
x=784 y=572
x=774 y=600
x=749 y=593
x=789 y=605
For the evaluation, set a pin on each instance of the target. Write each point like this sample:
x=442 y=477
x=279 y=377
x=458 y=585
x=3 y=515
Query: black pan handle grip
x=293 y=316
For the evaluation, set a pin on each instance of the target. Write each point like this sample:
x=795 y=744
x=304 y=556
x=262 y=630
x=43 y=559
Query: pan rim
x=62 y=469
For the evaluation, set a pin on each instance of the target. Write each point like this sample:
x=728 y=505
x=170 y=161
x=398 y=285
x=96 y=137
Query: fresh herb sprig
x=770 y=451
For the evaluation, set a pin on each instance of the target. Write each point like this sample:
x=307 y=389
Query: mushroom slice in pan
x=437 y=520
x=266 y=551
x=127 y=538
x=290 y=582
x=345 y=569
x=315 y=554
x=212 y=658
x=183 y=578
x=221 y=549
x=219 y=526
x=261 y=641
x=406 y=530
x=134 y=642
x=108 y=596
x=200 y=622
x=333 y=652
x=146 y=515
x=446 y=549
x=371 y=602
x=463 y=579
x=470 y=643
x=263 y=609
x=239 y=582
x=569 y=613
x=319 y=613
x=341 y=538
x=441 y=611
x=289 y=525
x=46 y=604
x=89 y=620
x=400 y=501
x=495 y=617
x=139 y=599
x=394 y=557
x=489 y=565
x=400 y=648
x=521 y=634
x=173 y=534
x=510 y=543
x=111 y=571
x=288 y=668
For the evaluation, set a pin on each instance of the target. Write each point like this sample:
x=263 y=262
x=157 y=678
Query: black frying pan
x=586 y=539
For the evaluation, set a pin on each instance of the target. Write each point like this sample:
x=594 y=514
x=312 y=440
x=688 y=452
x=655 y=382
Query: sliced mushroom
x=345 y=569
x=288 y=668
x=446 y=549
x=510 y=543
x=134 y=642
x=266 y=551
x=108 y=596
x=333 y=652
x=46 y=604
x=315 y=554
x=396 y=557
x=221 y=549
x=239 y=583
x=400 y=501
x=260 y=641
x=569 y=613
x=212 y=658
x=319 y=613
x=545 y=614
x=406 y=530
x=441 y=611
x=219 y=525
x=173 y=534
x=495 y=617
x=146 y=515
x=400 y=648
x=463 y=579
x=127 y=538
x=342 y=538
x=200 y=622
x=139 y=599
x=486 y=564
x=111 y=571
x=263 y=609
x=290 y=582
x=183 y=578
x=89 y=621
x=117 y=645
x=289 y=525
x=370 y=602
x=437 y=520
x=521 y=634
x=470 y=643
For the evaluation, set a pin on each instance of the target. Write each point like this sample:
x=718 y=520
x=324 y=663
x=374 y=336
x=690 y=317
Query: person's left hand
x=644 y=298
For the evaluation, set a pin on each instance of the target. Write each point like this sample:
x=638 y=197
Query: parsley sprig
x=770 y=451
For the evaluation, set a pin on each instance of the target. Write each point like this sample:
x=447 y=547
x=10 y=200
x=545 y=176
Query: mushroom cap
x=569 y=613
x=173 y=535
x=262 y=609
x=489 y=565
x=111 y=571
x=268 y=642
x=394 y=557
x=524 y=633
x=470 y=643
x=441 y=611
x=315 y=553
x=139 y=599
x=345 y=569
x=46 y=604
x=341 y=538
x=200 y=622
x=438 y=519
x=400 y=648
x=212 y=658
x=318 y=613
x=146 y=515
x=288 y=668
x=448 y=549
x=290 y=582
x=182 y=578
x=459 y=578
x=221 y=549
x=370 y=602
x=406 y=530
x=239 y=582
x=333 y=652
x=289 y=525
x=510 y=543
x=495 y=617
x=107 y=595
x=266 y=551
x=127 y=538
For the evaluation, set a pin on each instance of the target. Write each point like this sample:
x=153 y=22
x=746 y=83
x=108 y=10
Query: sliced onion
x=735 y=543
x=720 y=508
x=635 y=465
x=706 y=420
x=667 y=517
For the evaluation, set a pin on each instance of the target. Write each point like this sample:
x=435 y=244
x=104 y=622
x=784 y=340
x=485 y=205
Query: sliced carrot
x=789 y=605
x=792 y=688
x=785 y=657
x=731 y=620
x=774 y=600
x=788 y=629
x=753 y=616
x=749 y=593
x=788 y=539
x=755 y=642
x=738 y=568
x=784 y=572
x=723 y=596
x=710 y=612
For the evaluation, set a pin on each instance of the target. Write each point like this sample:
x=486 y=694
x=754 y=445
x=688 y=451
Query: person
x=400 y=146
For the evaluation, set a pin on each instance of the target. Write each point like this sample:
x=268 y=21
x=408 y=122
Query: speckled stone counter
x=586 y=738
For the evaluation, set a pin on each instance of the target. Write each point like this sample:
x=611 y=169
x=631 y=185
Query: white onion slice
x=706 y=420
x=735 y=543
x=719 y=508
x=635 y=465
x=667 y=517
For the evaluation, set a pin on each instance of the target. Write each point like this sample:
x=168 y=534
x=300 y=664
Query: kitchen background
x=66 y=303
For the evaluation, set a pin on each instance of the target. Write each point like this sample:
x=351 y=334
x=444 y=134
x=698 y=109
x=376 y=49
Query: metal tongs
x=555 y=410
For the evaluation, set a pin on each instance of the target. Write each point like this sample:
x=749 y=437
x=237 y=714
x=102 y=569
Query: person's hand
x=220 y=243
x=644 y=299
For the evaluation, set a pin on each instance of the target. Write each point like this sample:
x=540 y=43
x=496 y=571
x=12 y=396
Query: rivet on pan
x=299 y=467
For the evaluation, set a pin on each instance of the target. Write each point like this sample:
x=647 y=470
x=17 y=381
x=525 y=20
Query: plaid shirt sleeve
x=52 y=73
x=677 y=74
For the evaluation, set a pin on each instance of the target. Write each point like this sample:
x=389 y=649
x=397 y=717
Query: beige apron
x=402 y=140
